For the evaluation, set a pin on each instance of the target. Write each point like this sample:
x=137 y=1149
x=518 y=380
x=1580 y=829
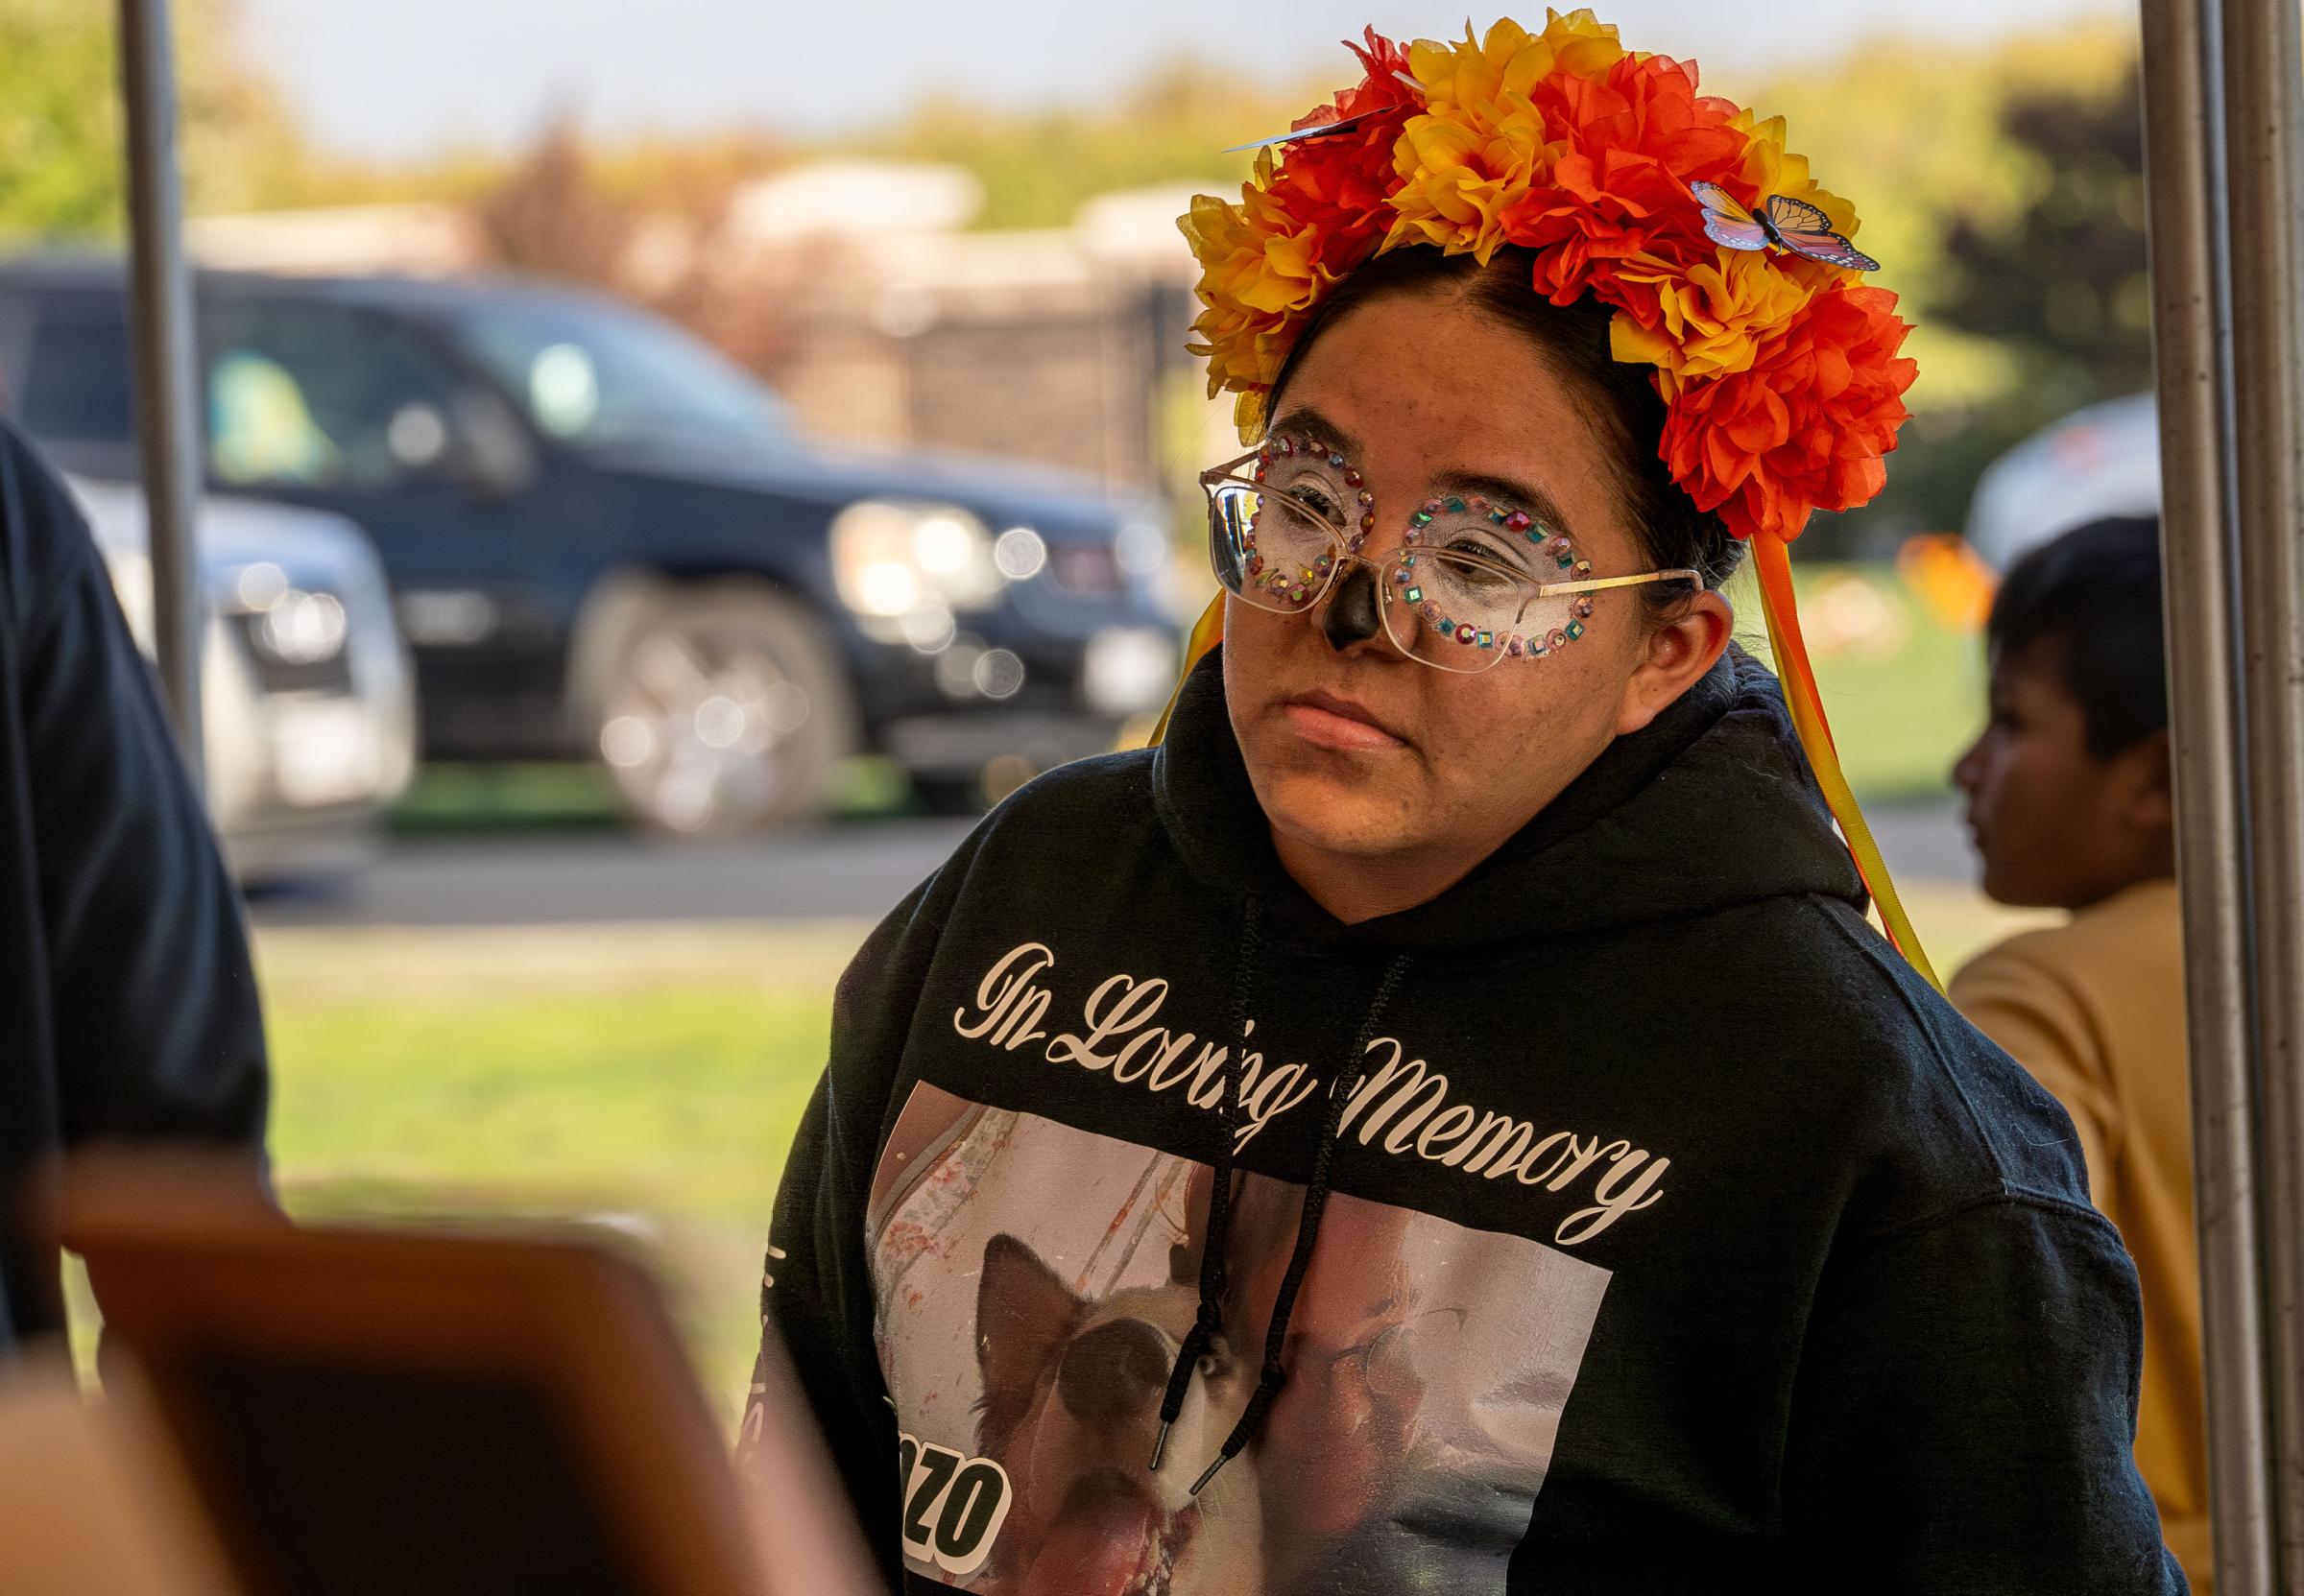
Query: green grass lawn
x=634 y=1071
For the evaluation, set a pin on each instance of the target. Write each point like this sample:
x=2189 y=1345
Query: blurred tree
x=1038 y=167
x=647 y=222
x=60 y=162
x=1951 y=155
x=2059 y=285
x=548 y=217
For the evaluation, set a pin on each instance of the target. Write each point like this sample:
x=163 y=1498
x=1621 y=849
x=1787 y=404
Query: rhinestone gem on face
x=1430 y=609
x=1518 y=521
x=1415 y=595
x=1576 y=629
x=1584 y=608
x=1515 y=648
x=1465 y=632
x=1555 y=639
x=1486 y=639
x=1583 y=567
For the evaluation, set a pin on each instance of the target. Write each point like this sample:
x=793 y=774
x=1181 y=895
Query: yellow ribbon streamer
x=1207 y=633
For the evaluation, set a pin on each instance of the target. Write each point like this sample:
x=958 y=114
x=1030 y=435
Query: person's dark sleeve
x=816 y=1296
x=1966 y=1411
x=159 y=1032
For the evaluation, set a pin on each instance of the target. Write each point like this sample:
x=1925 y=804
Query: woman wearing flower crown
x=1442 y=1120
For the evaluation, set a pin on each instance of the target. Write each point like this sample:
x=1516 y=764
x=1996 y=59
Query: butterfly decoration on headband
x=1785 y=221
x=1324 y=130
x=1301 y=134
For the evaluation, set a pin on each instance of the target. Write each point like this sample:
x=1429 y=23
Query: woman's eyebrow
x=1519 y=494
x=1303 y=418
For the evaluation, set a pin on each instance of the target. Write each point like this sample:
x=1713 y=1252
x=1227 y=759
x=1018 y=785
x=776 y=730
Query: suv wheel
x=726 y=709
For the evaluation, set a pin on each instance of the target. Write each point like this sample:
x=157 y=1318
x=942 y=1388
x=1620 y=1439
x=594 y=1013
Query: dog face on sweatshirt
x=1072 y=1389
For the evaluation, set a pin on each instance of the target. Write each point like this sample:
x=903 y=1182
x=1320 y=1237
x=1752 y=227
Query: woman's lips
x=1329 y=721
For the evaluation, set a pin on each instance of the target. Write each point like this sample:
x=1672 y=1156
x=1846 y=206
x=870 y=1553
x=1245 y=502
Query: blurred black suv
x=606 y=541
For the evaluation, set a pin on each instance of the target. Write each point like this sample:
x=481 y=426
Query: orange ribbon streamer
x=1773 y=557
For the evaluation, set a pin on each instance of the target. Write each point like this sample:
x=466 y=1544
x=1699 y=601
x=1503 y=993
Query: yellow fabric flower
x=1709 y=320
x=1259 y=273
x=1481 y=145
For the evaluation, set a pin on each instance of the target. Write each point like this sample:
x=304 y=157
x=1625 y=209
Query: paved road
x=841 y=871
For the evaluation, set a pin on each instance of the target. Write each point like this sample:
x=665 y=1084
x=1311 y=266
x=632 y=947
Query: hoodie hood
x=1709 y=806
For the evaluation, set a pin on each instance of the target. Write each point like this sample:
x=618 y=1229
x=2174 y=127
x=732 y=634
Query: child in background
x=2069 y=801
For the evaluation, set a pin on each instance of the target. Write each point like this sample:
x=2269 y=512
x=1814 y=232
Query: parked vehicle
x=606 y=541
x=2100 y=462
x=307 y=705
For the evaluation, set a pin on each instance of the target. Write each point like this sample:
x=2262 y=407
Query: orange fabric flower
x=1627 y=147
x=1803 y=427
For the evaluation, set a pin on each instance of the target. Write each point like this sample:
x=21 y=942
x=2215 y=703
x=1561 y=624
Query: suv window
x=77 y=384
x=323 y=397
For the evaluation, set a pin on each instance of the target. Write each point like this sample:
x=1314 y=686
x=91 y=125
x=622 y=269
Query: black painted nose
x=1352 y=616
x=1115 y=1372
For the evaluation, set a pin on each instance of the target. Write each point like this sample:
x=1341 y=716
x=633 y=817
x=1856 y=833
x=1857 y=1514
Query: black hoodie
x=128 y=1010
x=1671 y=1234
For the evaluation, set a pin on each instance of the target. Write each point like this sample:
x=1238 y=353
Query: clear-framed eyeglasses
x=1473 y=581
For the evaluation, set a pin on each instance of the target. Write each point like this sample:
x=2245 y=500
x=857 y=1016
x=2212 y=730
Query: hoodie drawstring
x=1209 y=1320
x=1274 y=1375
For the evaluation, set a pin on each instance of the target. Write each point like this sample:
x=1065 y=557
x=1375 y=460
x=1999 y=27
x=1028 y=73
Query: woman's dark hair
x=2093 y=595
x=1573 y=342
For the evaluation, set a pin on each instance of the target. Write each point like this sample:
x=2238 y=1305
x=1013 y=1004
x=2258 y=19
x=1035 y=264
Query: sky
x=415 y=77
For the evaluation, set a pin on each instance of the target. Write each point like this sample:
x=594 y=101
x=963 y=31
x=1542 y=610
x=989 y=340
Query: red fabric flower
x=1805 y=427
x=1343 y=181
x=1628 y=146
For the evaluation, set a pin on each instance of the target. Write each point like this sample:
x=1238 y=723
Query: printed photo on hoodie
x=1033 y=1285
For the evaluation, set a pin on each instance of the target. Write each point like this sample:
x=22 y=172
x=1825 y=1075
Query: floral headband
x=1727 y=270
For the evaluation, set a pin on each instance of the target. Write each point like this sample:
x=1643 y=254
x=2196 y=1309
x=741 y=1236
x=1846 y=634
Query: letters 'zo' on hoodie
x=1629 y=1218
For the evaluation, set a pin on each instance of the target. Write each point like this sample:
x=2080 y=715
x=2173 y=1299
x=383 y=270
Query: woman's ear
x=1677 y=653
